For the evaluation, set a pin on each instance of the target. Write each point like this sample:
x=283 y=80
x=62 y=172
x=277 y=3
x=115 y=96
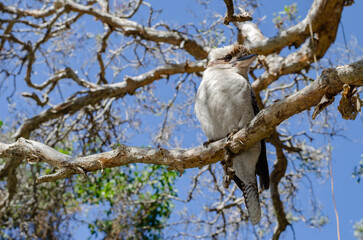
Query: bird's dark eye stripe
x=228 y=57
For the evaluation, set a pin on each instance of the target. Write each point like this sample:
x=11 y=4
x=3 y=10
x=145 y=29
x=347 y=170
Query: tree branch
x=314 y=48
x=328 y=84
x=323 y=16
x=29 y=13
x=323 y=19
x=96 y=94
x=230 y=17
x=131 y=28
x=277 y=174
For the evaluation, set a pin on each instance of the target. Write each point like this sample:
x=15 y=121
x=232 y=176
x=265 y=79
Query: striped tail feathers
x=250 y=193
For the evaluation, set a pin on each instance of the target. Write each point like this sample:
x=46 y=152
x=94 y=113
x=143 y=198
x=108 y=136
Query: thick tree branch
x=323 y=16
x=328 y=84
x=29 y=13
x=318 y=31
x=96 y=94
x=314 y=48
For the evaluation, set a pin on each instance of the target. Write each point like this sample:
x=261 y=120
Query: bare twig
x=230 y=17
x=131 y=28
x=93 y=96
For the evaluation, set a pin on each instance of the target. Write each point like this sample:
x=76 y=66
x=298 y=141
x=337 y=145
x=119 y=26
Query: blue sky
x=345 y=154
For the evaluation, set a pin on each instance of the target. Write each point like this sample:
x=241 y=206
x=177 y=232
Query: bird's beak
x=247 y=57
x=244 y=61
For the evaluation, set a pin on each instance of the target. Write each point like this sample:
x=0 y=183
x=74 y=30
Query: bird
x=225 y=102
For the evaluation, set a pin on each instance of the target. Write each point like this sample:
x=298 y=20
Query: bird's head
x=235 y=57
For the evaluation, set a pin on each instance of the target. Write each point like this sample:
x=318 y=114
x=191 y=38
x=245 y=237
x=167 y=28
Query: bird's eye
x=228 y=58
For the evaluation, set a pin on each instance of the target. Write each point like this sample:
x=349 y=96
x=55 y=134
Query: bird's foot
x=229 y=135
x=206 y=143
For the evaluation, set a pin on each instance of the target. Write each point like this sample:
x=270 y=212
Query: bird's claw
x=229 y=135
x=206 y=143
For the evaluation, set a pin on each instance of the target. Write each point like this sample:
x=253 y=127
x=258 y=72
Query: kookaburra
x=225 y=102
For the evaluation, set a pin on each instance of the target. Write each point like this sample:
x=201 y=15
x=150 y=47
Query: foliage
x=38 y=204
x=136 y=202
x=286 y=18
